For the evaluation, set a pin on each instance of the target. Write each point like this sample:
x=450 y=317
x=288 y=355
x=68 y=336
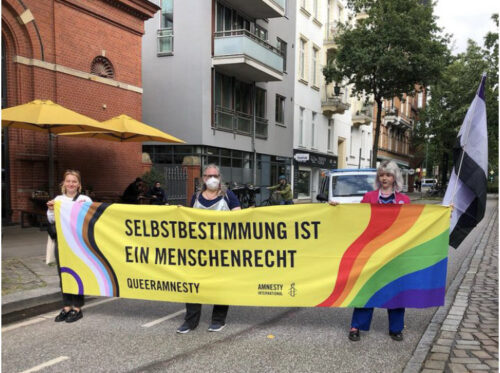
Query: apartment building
x=312 y=134
x=398 y=118
x=219 y=75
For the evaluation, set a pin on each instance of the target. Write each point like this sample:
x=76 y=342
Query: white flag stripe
x=468 y=181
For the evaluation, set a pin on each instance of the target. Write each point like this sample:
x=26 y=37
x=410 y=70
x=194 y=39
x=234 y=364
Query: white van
x=346 y=185
x=428 y=183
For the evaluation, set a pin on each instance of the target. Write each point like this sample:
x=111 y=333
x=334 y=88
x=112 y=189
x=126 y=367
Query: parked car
x=346 y=185
x=428 y=183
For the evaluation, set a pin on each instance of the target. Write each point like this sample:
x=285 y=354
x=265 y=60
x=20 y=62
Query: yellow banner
x=301 y=255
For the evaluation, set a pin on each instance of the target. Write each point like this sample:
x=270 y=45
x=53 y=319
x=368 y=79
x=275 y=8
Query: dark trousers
x=193 y=313
x=362 y=318
x=288 y=202
x=69 y=300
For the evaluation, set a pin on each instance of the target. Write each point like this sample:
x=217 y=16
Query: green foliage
x=397 y=46
x=451 y=98
x=153 y=176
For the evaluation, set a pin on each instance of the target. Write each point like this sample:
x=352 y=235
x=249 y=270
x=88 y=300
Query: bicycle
x=272 y=200
x=246 y=194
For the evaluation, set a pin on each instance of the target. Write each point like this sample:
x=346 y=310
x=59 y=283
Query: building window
x=351 y=145
x=363 y=143
x=314 y=73
x=420 y=103
x=280 y=109
x=260 y=113
x=260 y=32
x=282 y=48
x=329 y=145
x=302 y=59
x=165 y=35
x=313 y=131
x=102 y=67
x=315 y=8
x=303 y=184
x=301 y=127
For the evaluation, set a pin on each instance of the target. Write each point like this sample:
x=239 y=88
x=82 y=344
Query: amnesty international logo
x=292 y=291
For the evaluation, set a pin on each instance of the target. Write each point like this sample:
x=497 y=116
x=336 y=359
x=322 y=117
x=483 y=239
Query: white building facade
x=331 y=128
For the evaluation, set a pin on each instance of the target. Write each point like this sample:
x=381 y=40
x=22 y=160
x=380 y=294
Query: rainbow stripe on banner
x=312 y=255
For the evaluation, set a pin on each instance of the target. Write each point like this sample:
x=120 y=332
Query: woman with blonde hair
x=388 y=187
x=71 y=187
x=213 y=196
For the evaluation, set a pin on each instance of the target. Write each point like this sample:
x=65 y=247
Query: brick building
x=398 y=118
x=86 y=56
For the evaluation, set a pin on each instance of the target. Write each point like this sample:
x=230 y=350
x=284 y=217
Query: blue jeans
x=362 y=318
x=289 y=202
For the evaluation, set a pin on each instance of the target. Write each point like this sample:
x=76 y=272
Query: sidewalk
x=26 y=280
x=468 y=338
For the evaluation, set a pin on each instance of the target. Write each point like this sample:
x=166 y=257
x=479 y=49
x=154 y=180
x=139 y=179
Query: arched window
x=102 y=67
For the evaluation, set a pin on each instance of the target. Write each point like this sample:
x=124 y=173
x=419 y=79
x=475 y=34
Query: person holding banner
x=213 y=196
x=388 y=186
x=71 y=187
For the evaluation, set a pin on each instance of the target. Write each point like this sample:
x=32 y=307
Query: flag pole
x=466 y=139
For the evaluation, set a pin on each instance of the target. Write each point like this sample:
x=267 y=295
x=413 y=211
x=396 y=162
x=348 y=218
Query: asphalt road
x=120 y=335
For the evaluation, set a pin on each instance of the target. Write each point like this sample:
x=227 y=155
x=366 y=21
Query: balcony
x=331 y=33
x=334 y=105
x=243 y=55
x=362 y=116
x=238 y=122
x=259 y=8
x=392 y=117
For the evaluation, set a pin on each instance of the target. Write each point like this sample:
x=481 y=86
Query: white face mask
x=212 y=183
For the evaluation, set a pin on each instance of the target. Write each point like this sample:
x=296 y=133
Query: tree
x=451 y=98
x=395 y=47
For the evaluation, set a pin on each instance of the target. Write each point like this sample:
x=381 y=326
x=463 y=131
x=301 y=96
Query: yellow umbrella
x=126 y=129
x=49 y=117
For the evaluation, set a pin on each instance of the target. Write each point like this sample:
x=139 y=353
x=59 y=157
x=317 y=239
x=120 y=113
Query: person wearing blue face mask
x=213 y=195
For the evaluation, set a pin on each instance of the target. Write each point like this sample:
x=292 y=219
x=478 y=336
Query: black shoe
x=216 y=327
x=185 y=328
x=74 y=315
x=62 y=316
x=396 y=336
x=354 y=335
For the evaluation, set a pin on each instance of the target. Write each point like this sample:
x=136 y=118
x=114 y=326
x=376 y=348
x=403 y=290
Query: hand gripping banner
x=311 y=255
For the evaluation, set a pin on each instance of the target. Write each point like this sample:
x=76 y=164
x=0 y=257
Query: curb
x=12 y=303
x=454 y=294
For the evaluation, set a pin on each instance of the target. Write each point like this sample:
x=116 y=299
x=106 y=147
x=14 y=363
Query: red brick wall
x=72 y=37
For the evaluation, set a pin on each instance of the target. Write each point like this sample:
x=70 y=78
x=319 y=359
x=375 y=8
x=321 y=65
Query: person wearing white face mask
x=213 y=196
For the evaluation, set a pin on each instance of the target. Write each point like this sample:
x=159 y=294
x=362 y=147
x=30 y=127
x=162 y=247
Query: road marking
x=157 y=321
x=46 y=364
x=50 y=316
x=21 y=324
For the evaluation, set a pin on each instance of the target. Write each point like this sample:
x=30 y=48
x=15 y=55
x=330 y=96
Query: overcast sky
x=466 y=19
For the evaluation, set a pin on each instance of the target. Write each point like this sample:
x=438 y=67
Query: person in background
x=283 y=190
x=213 y=195
x=158 y=195
x=71 y=187
x=131 y=194
x=388 y=186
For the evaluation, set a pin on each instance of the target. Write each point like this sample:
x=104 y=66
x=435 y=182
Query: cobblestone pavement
x=468 y=338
